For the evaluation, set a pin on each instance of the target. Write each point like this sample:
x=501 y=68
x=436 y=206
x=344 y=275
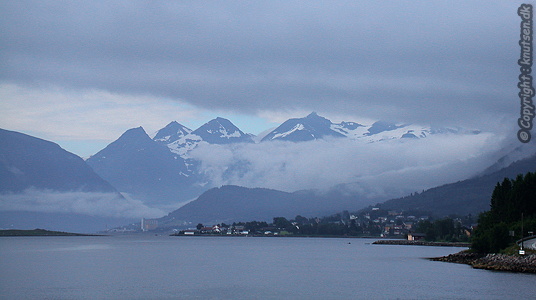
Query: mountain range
x=162 y=171
x=142 y=176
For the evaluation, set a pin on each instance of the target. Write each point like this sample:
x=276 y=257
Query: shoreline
x=493 y=261
x=420 y=243
x=275 y=236
x=39 y=232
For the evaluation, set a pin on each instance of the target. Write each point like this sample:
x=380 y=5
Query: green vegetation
x=302 y=226
x=336 y=225
x=513 y=206
x=443 y=230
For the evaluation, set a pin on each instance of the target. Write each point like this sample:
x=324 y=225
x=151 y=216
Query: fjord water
x=165 y=267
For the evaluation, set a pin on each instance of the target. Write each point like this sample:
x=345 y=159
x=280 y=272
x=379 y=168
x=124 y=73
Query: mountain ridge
x=231 y=203
x=470 y=196
x=45 y=186
x=177 y=176
x=27 y=161
x=136 y=164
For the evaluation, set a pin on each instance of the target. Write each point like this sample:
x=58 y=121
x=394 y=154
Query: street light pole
x=522 y=251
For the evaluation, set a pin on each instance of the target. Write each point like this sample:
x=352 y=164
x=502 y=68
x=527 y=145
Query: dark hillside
x=465 y=197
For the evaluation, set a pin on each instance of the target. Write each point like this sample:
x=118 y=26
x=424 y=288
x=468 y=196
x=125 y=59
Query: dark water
x=163 y=267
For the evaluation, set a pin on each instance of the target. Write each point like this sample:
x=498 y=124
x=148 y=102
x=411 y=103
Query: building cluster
x=373 y=222
x=216 y=230
x=387 y=223
x=149 y=224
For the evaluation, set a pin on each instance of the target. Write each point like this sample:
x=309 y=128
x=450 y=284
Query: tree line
x=443 y=230
x=513 y=206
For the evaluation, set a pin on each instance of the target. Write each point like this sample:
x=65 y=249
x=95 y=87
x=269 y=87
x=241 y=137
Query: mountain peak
x=221 y=131
x=137 y=132
x=133 y=138
x=222 y=122
x=172 y=132
x=311 y=127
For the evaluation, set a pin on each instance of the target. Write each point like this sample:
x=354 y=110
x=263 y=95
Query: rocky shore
x=419 y=243
x=496 y=262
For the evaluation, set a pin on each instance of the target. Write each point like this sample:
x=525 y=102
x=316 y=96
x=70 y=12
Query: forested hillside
x=513 y=202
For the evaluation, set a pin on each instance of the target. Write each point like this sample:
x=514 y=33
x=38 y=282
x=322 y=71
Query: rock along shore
x=420 y=243
x=496 y=262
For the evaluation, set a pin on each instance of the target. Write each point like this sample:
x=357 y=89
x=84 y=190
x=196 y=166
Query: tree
x=441 y=230
x=282 y=223
x=301 y=220
x=509 y=200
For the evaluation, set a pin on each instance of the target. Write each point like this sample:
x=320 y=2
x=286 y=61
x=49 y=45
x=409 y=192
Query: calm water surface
x=163 y=267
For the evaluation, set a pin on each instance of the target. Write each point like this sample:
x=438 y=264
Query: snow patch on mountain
x=284 y=134
x=171 y=133
x=310 y=128
x=181 y=140
x=350 y=129
x=184 y=145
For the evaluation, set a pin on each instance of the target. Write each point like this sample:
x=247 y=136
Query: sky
x=80 y=73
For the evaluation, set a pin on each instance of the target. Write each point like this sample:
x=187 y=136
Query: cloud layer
x=437 y=62
x=92 y=204
x=387 y=168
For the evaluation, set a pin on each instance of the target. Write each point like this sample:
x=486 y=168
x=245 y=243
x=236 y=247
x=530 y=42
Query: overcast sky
x=80 y=73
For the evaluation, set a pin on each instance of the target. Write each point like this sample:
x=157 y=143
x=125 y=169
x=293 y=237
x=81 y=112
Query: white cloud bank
x=386 y=168
x=92 y=204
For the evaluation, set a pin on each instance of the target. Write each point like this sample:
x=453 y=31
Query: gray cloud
x=441 y=62
x=92 y=204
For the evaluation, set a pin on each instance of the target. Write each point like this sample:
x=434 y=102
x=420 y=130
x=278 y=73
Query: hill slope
x=44 y=186
x=147 y=170
x=26 y=161
x=234 y=203
x=470 y=196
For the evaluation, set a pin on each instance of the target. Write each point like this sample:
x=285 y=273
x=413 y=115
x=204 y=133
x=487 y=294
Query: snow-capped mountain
x=382 y=130
x=159 y=170
x=162 y=170
x=171 y=133
x=221 y=131
x=181 y=140
x=178 y=138
x=310 y=128
x=315 y=127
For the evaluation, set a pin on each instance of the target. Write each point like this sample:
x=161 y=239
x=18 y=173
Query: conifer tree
x=509 y=200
